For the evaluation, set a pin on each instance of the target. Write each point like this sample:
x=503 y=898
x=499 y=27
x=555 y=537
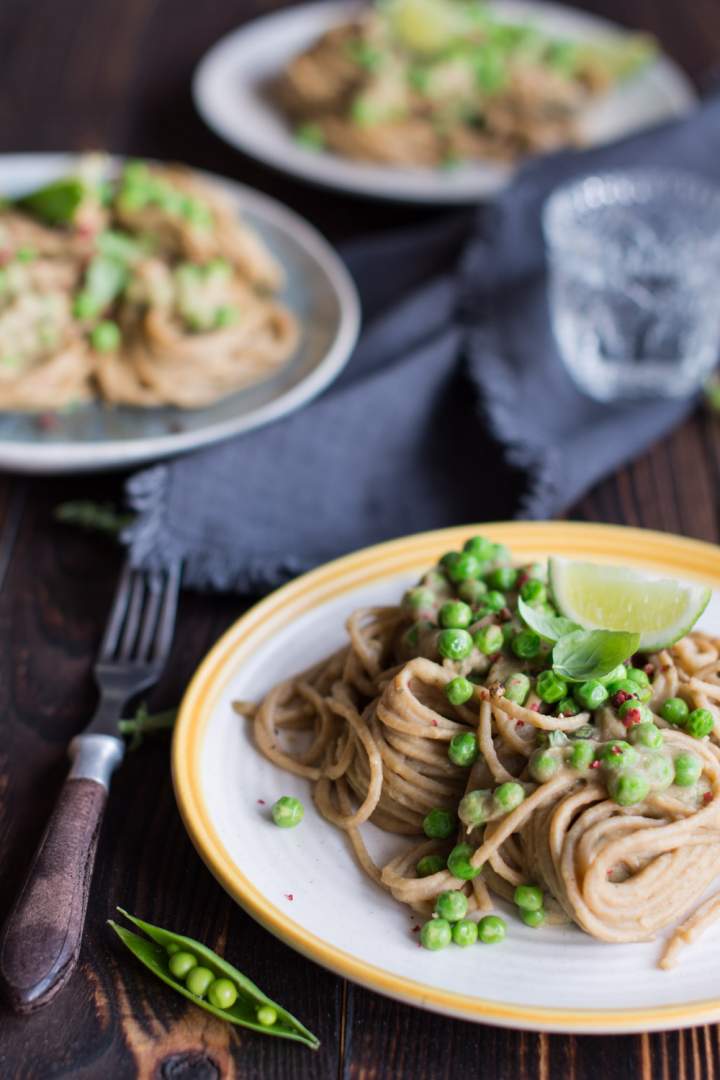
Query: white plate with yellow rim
x=303 y=884
x=230 y=92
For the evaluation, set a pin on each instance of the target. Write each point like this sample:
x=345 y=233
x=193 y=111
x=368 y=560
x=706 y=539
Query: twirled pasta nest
x=378 y=731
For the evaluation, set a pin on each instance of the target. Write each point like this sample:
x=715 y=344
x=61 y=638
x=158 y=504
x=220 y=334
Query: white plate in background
x=228 y=88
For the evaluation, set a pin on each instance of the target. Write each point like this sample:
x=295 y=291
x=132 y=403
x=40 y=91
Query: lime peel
x=598 y=596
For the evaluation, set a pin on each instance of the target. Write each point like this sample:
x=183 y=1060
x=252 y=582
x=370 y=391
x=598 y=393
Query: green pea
x=688 y=769
x=628 y=787
x=491 y=929
x=454 y=644
x=659 y=770
x=494 y=601
x=451 y=905
x=464 y=567
x=502 y=578
x=463 y=748
x=585 y=731
x=528 y=897
x=198 y=980
x=435 y=934
x=624 y=686
x=674 y=711
x=84 y=306
x=106 y=336
x=500 y=553
x=699 y=723
x=582 y=756
x=533 y=918
x=288 y=812
x=419 y=599
x=533 y=592
x=567 y=707
x=617 y=754
x=638 y=676
x=436 y=580
x=459 y=863
x=181 y=963
x=411 y=637
x=310 y=136
x=635 y=712
x=429 y=865
x=479 y=546
x=172 y=948
x=449 y=559
x=526 y=644
x=591 y=694
x=550 y=687
x=455 y=614
x=646 y=734
x=543 y=766
x=465 y=932
x=226 y=315
x=472 y=591
x=222 y=994
x=616 y=675
x=509 y=796
x=459 y=690
x=266 y=1015
x=489 y=639
x=439 y=824
x=517 y=688
x=475 y=808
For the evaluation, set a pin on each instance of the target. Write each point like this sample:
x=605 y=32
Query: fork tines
x=140 y=627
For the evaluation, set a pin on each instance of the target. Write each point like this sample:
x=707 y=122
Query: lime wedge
x=614 y=598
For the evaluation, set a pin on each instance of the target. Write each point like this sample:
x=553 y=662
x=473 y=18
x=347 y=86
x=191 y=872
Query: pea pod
x=154 y=954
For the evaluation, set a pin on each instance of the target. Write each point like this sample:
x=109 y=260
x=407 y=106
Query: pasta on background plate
x=144 y=288
x=435 y=82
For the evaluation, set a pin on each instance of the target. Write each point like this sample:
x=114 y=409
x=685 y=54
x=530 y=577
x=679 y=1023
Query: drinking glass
x=634 y=260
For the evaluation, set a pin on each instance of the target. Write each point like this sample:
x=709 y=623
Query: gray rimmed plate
x=93 y=437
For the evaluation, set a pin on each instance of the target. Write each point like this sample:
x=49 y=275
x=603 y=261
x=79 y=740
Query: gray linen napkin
x=454 y=408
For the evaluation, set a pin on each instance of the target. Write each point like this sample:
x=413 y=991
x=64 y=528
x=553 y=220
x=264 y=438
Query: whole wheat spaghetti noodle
x=144 y=289
x=621 y=835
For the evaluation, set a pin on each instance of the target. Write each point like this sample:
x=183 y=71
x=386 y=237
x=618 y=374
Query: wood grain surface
x=115 y=73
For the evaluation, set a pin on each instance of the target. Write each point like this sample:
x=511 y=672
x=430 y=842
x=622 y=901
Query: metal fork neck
x=95 y=757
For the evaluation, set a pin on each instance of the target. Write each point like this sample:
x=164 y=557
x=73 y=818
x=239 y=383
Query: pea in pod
x=250 y=1002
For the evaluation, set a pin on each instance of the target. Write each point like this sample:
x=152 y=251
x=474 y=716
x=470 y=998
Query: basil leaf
x=591 y=654
x=56 y=203
x=105 y=280
x=550 y=627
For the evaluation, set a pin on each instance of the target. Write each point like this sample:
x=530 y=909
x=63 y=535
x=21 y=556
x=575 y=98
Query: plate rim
x=688 y=557
x=58 y=457
x=354 y=183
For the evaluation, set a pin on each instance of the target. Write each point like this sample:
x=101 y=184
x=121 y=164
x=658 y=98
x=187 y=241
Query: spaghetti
x=145 y=289
x=434 y=82
x=615 y=813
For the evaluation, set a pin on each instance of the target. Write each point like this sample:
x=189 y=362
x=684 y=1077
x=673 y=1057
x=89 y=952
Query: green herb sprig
x=103 y=517
x=143 y=723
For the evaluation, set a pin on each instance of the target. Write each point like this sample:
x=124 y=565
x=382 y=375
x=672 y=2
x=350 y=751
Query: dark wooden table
x=115 y=73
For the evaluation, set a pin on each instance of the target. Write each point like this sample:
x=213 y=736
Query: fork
x=41 y=941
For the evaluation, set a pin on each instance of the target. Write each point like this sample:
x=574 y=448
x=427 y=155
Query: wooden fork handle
x=41 y=941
